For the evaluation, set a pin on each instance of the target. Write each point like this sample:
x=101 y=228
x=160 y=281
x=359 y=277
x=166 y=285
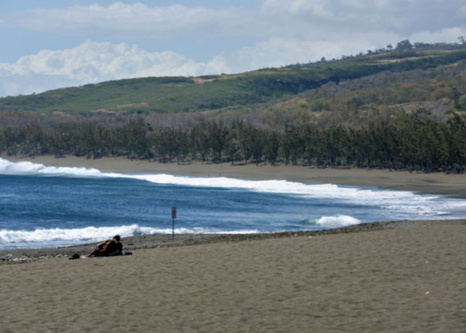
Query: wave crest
x=85 y=234
x=29 y=168
x=337 y=221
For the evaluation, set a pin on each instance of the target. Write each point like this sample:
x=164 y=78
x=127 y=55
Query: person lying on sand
x=110 y=247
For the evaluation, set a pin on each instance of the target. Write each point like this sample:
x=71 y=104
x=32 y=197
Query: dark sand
x=401 y=277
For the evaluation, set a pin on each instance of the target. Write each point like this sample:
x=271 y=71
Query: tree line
x=411 y=142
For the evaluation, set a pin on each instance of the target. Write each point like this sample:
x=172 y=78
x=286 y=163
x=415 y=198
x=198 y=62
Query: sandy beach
x=401 y=277
x=405 y=276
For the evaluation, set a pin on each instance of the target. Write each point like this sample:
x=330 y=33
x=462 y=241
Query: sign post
x=173 y=221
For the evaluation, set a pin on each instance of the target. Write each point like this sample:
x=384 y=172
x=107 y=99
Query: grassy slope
x=178 y=94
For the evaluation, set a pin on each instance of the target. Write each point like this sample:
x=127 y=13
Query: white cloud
x=438 y=36
x=402 y=16
x=93 y=62
x=462 y=12
x=316 y=8
x=284 y=32
x=271 y=19
x=134 y=20
x=277 y=52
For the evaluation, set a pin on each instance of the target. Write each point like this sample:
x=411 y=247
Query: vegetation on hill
x=398 y=108
x=180 y=94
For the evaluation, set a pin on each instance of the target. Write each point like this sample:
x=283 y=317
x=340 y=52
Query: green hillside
x=181 y=94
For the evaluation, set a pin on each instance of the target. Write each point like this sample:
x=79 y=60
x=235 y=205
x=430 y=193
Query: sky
x=50 y=44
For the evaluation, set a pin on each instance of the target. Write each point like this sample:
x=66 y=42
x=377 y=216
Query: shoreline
x=438 y=184
x=380 y=276
x=435 y=183
x=157 y=241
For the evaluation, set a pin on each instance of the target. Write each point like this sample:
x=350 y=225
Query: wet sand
x=403 y=276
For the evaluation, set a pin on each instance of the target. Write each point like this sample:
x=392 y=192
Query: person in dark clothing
x=110 y=247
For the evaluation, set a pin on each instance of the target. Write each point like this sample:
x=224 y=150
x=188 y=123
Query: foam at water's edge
x=29 y=168
x=337 y=221
x=369 y=196
x=64 y=237
x=47 y=235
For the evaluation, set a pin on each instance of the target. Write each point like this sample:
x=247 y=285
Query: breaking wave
x=337 y=221
x=65 y=237
x=325 y=191
x=394 y=204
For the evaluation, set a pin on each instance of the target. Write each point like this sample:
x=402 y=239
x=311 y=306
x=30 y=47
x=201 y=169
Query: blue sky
x=54 y=44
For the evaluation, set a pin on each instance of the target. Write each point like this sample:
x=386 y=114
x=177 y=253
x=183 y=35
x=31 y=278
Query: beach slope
x=405 y=277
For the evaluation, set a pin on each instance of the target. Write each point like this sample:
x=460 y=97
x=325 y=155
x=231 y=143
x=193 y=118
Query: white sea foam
x=48 y=235
x=418 y=210
x=368 y=196
x=312 y=191
x=421 y=205
x=337 y=221
x=325 y=191
x=29 y=168
x=62 y=237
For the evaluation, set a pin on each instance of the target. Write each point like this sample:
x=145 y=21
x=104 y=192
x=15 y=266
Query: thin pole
x=173 y=229
x=173 y=222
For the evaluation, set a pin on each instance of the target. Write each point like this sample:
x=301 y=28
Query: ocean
x=43 y=206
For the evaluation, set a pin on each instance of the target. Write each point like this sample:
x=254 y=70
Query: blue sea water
x=44 y=206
